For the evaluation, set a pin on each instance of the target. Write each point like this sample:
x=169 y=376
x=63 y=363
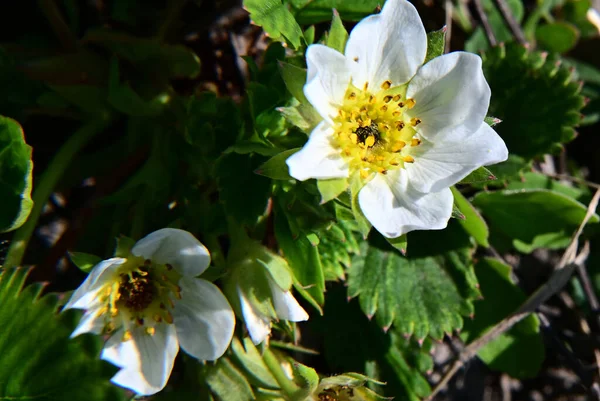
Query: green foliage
x=520 y=351
x=436 y=41
x=478 y=41
x=57 y=368
x=525 y=215
x=559 y=37
x=276 y=20
x=227 y=382
x=314 y=11
x=15 y=175
x=421 y=296
x=522 y=81
x=337 y=244
x=337 y=35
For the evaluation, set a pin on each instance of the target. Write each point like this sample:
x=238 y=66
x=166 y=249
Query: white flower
x=150 y=304
x=407 y=130
x=259 y=322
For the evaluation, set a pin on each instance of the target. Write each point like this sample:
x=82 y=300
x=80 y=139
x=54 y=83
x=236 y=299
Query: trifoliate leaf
x=526 y=214
x=39 y=360
x=420 y=296
x=276 y=168
x=15 y=175
x=436 y=40
x=520 y=351
x=473 y=223
x=338 y=35
x=536 y=99
x=84 y=261
x=276 y=19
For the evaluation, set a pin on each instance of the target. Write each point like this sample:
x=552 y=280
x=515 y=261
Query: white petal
x=395 y=208
x=327 y=78
x=91 y=322
x=286 y=306
x=85 y=296
x=146 y=360
x=442 y=164
x=318 y=158
x=451 y=95
x=203 y=319
x=389 y=46
x=258 y=325
x=176 y=247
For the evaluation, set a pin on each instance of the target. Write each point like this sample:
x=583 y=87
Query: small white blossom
x=407 y=131
x=150 y=304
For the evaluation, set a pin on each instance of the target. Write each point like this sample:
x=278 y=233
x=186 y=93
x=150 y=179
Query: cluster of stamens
x=142 y=294
x=373 y=131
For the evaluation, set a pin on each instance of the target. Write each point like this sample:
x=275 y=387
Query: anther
x=410 y=103
x=364 y=174
x=354 y=138
x=139 y=321
x=365 y=86
x=415 y=142
x=157 y=318
x=387 y=99
x=356 y=59
x=400 y=125
x=383 y=108
x=401 y=104
x=352 y=96
x=415 y=121
x=396 y=113
x=150 y=331
x=398 y=146
x=409 y=159
x=169 y=318
x=396 y=98
x=386 y=85
x=127 y=335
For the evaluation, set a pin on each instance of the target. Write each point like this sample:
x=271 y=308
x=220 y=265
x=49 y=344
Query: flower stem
x=288 y=386
x=46 y=184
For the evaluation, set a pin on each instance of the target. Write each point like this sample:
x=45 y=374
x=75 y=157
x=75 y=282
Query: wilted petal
x=318 y=158
x=258 y=325
x=328 y=76
x=451 y=95
x=285 y=304
x=389 y=46
x=203 y=319
x=395 y=208
x=176 y=247
x=85 y=296
x=442 y=164
x=146 y=360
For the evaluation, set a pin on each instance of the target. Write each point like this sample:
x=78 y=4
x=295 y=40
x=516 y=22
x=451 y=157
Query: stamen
x=150 y=330
x=352 y=96
x=415 y=121
x=386 y=85
x=410 y=103
x=409 y=159
x=365 y=86
x=383 y=108
x=398 y=146
x=396 y=98
x=415 y=142
x=387 y=98
x=400 y=125
x=126 y=335
x=396 y=113
x=370 y=141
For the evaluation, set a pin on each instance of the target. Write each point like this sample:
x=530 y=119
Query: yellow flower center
x=372 y=130
x=142 y=293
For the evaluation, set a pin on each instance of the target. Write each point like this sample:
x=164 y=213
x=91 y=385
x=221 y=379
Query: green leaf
x=294 y=79
x=39 y=360
x=531 y=180
x=227 y=382
x=252 y=363
x=303 y=116
x=337 y=33
x=520 y=351
x=420 y=296
x=84 y=261
x=235 y=174
x=478 y=40
x=436 y=41
x=306 y=377
x=525 y=214
x=126 y=100
x=15 y=175
x=276 y=168
x=337 y=244
x=511 y=169
x=473 y=223
x=482 y=174
x=559 y=37
x=331 y=189
x=302 y=257
x=276 y=19
x=522 y=82
x=314 y=11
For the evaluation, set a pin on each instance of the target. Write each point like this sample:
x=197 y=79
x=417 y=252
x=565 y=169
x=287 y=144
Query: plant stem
x=288 y=386
x=46 y=184
x=487 y=28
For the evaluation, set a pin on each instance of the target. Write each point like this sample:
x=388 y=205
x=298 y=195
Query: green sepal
x=276 y=168
x=338 y=35
x=331 y=189
x=480 y=175
x=364 y=226
x=436 y=41
x=84 y=261
x=303 y=115
x=294 y=79
x=400 y=243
